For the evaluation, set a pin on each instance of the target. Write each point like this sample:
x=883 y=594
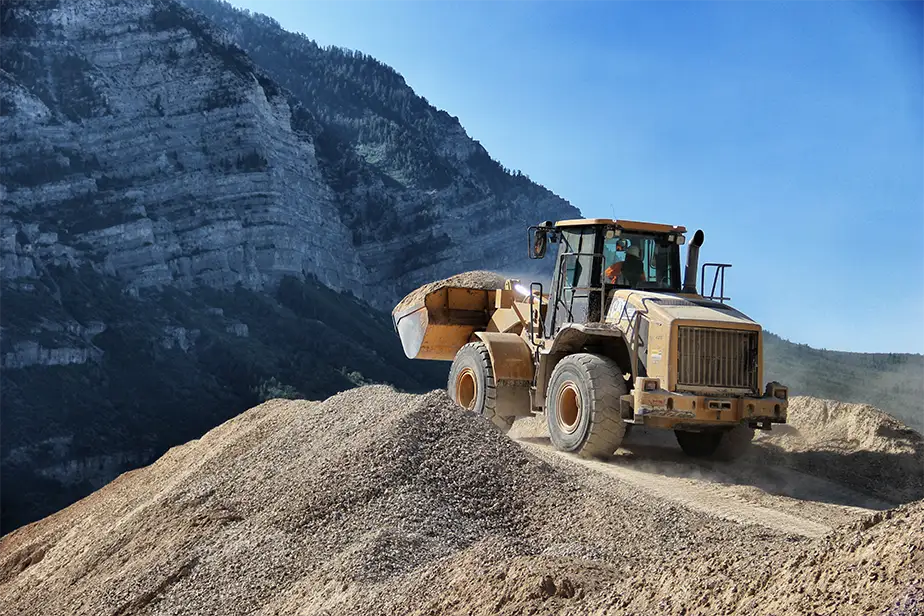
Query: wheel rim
x=568 y=407
x=466 y=389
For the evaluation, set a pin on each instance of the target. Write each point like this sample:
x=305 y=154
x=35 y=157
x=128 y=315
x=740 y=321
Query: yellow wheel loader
x=621 y=338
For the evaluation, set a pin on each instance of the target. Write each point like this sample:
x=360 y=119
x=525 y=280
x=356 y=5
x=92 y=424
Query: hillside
x=893 y=382
x=164 y=368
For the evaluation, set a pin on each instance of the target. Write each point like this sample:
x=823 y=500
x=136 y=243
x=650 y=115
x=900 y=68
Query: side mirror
x=540 y=244
x=538 y=241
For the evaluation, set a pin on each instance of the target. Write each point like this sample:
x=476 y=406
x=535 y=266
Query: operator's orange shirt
x=613 y=271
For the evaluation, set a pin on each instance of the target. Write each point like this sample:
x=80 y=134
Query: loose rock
x=378 y=502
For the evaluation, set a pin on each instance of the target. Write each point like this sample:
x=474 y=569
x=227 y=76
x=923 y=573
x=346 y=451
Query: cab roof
x=625 y=225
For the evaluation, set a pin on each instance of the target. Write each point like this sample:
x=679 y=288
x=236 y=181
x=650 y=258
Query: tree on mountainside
x=272 y=388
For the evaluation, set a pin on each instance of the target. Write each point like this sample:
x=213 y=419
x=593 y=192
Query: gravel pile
x=478 y=279
x=364 y=486
x=856 y=570
x=853 y=444
x=377 y=502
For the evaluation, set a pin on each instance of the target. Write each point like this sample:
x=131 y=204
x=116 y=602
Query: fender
x=573 y=337
x=513 y=366
x=510 y=356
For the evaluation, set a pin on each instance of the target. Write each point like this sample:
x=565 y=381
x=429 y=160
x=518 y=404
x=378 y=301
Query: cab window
x=638 y=261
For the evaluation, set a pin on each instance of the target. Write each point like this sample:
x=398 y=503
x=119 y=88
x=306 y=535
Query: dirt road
x=749 y=491
x=706 y=490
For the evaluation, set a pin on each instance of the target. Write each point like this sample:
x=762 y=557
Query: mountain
x=181 y=236
x=893 y=382
x=412 y=187
x=175 y=160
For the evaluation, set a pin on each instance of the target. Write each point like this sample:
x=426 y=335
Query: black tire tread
x=480 y=350
x=607 y=427
x=735 y=443
x=728 y=445
x=604 y=380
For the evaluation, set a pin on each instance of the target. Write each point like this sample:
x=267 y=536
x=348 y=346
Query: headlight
x=651 y=384
x=781 y=393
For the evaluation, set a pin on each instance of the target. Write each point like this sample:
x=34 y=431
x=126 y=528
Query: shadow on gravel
x=897 y=478
x=871 y=480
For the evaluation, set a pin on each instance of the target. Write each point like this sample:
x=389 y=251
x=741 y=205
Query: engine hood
x=666 y=308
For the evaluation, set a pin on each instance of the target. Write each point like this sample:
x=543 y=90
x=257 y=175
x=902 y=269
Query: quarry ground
x=378 y=502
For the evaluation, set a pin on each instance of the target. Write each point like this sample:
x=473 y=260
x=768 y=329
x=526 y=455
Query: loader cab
x=597 y=256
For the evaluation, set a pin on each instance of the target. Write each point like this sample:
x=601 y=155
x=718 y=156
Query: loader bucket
x=439 y=325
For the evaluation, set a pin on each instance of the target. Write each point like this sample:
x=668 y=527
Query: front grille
x=709 y=357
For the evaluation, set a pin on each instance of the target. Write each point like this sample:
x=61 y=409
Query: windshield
x=639 y=261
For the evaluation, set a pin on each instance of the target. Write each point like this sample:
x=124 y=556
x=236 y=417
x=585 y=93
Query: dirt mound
x=847 y=427
x=377 y=502
x=853 y=444
x=855 y=570
x=875 y=566
x=477 y=279
x=351 y=505
x=368 y=484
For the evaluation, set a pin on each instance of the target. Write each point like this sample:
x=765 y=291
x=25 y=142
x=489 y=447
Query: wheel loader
x=622 y=337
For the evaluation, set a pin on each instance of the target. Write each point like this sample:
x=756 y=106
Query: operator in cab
x=626 y=267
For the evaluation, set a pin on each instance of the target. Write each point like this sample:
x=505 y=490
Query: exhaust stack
x=689 y=277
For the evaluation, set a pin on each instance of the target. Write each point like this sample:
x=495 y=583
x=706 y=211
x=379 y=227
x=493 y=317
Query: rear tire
x=471 y=384
x=698 y=444
x=735 y=443
x=583 y=405
x=718 y=445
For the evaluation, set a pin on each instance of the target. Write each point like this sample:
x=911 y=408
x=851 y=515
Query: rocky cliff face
x=416 y=191
x=181 y=235
x=142 y=141
x=138 y=142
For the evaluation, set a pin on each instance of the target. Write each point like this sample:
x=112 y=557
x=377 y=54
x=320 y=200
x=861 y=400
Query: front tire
x=471 y=384
x=583 y=405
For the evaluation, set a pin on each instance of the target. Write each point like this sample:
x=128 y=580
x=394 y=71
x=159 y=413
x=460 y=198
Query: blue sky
x=792 y=133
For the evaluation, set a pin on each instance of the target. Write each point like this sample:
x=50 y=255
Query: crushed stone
x=477 y=279
x=379 y=502
x=854 y=444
